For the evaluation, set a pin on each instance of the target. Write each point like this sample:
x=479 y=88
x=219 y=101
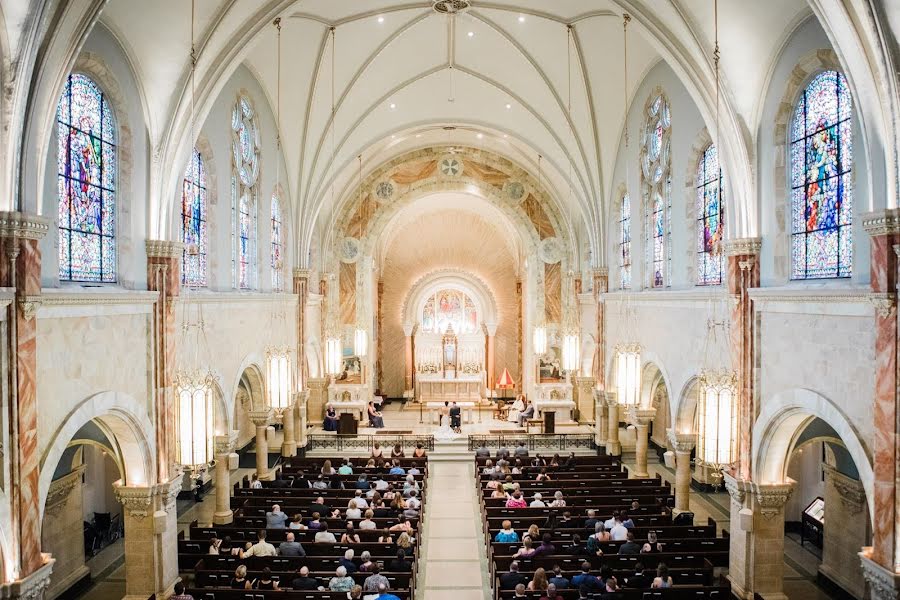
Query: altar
x=350 y=398
x=554 y=397
x=442 y=389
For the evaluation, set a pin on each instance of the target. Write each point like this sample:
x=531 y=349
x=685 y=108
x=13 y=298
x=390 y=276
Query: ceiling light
x=393 y=137
x=505 y=136
x=393 y=106
x=508 y=106
x=381 y=19
x=471 y=34
x=480 y=136
x=521 y=18
x=418 y=135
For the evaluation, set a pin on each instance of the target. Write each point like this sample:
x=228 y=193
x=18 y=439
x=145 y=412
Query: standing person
x=455 y=418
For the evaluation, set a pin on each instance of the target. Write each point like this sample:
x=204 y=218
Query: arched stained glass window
x=193 y=222
x=86 y=180
x=625 y=242
x=277 y=246
x=244 y=193
x=821 y=181
x=656 y=183
x=710 y=218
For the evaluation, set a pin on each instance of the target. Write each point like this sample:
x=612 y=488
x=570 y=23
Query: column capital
x=261 y=417
x=167 y=492
x=612 y=398
x=681 y=442
x=601 y=272
x=582 y=381
x=60 y=490
x=301 y=398
x=164 y=249
x=14 y=224
x=408 y=329
x=771 y=497
x=882 y=222
x=490 y=327
x=33 y=586
x=850 y=491
x=301 y=273
x=135 y=500
x=884 y=583
x=317 y=383
x=640 y=416
x=225 y=444
x=736 y=488
x=750 y=246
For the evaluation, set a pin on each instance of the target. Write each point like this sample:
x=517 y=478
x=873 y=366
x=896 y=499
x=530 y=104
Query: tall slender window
x=277 y=246
x=821 y=180
x=193 y=222
x=244 y=193
x=86 y=178
x=625 y=243
x=656 y=183
x=710 y=218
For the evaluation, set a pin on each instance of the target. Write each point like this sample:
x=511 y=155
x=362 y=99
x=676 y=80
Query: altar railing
x=534 y=441
x=365 y=443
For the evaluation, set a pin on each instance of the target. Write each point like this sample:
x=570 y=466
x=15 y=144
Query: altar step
x=451 y=450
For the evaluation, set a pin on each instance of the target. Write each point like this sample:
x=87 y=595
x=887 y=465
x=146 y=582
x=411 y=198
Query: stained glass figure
x=449 y=308
x=710 y=218
x=193 y=222
x=821 y=184
x=244 y=192
x=277 y=246
x=86 y=180
x=246 y=244
x=656 y=183
x=625 y=243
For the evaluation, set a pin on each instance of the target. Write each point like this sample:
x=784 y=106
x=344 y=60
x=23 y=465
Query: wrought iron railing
x=534 y=441
x=341 y=443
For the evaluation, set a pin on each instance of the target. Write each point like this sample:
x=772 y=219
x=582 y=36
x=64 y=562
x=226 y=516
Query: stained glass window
x=449 y=308
x=656 y=183
x=821 y=182
x=625 y=242
x=86 y=180
x=277 y=246
x=244 y=192
x=193 y=222
x=710 y=218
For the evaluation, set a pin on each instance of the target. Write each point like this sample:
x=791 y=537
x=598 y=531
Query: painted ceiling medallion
x=551 y=250
x=450 y=7
x=515 y=191
x=451 y=167
x=384 y=191
x=349 y=250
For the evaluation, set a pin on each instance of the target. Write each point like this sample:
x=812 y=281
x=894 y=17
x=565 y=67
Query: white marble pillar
x=682 y=444
x=301 y=400
x=613 y=447
x=224 y=447
x=261 y=418
x=601 y=425
x=641 y=418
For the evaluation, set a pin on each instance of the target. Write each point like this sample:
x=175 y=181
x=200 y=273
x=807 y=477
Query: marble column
x=613 y=447
x=408 y=356
x=641 y=418
x=846 y=532
x=601 y=286
x=224 y=446
x=151 y=538
x=164 y=276
x=883 y=228
x=300 y=402
x=317 y=398
x=682 y=444
x=301 y=288
x=289 y=444
x=20 y=269
x=379 y=330
x=491 y=330
x=583 y=388
x=756 y=547
x=261 y=418
x=601 y=419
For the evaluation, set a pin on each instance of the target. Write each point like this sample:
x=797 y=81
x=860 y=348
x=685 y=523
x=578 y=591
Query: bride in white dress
x=444 y=432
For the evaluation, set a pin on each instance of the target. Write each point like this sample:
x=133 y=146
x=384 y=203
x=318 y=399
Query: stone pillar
x=884 y=229
x=225 y=445
x=756 y=549
x=742 y=273
x=846 y=533
x=408 y=356
x=601 y=418
x=289 y=444
x=317 y=398
x=261 y=418
x=613 y=447
x=491 y=330
x=20 y=269
x=151 y=538
x=584 y=398
x=300 y=402
x=63 y=536
x=601 y=286
x=641 y=419
x=301 y=288
x=682 y=444
x=379 y=329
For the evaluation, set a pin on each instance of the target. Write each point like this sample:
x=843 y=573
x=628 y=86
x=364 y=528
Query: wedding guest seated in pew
x=557 y=580
x=653 y=545
x=482 y=451
x=300 y=481
x=349 y=536
x=638 y=580
x=539 y=582
x=362 y=482
x=321 y=483
x=340 y=582
x=412 y=501
x=255 y=483
x=405 y=525
x=355 y=593
x=367 y=522
x=384 y=595
x=506 y=535
x=520 y=591
x=516 y=500
x=323 y=536
x=498 y=492
x=585 y=580
x=260 y=548
x=527 y=549
x=400 y=564
x=662 y=579
x=346 y=467
x=353 y=511
x=406 y=543
x=576 y=548
x=347 y=562
x=538 y=501
x=265 y=581
x=290 y=547
x=546 y=547
x=591 y=521
x=512 y=578
x=558 y=500
x=214 y=545
x=275 y=519
x=377 y=452
x=327 y=469
x=533 y=533
x=371 y=583
x=304 y=582
x=179 y=593
x=397 y=451
x=410 y=485
x=630 y=546
x=419 y=452
x=551 y=594
x=594 y=541
x=543 y=475
x=612 y=586
x=315 y=521
x=240 y=581
x=365 y=562
x=396 y=469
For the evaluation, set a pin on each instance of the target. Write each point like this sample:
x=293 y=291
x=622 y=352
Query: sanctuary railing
x=342 y=442
x=534 y=441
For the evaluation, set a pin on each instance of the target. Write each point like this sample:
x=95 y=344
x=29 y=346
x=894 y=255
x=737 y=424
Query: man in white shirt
x=260 y=548
x=618 y=533
x=381 y=484
x=537 y=502
x=413 y=501
x=361 y=502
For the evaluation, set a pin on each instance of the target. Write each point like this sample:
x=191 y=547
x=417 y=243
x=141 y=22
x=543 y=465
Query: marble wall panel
x=553 y=293
x=348 y=293
x=538 y=217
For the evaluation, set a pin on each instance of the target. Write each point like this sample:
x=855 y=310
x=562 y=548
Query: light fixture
x=360 y=341
x=539 y=340
x=471 y=34
x=278 y=376
x=393 y=106
x=418 y=135
x=570 y=350
x=381 y=19
x=480 y=136
x=628 y=374
x=332 y=355
x=521 y=18
x=508 y=106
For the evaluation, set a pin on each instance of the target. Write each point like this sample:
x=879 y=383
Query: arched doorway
x=249 y=395
x=655 y=395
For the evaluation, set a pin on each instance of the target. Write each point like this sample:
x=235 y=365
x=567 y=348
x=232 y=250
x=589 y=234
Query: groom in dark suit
x=455 y=419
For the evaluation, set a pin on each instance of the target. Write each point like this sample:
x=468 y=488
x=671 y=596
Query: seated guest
x=653 y=545
x=555 y=462
x=591 y=521
x=594 y=543
x=413 y=501
x=353 y=511
x=543 y=475
x=411 y=512
x=323 y=509
x=179 y=593
x=360 y=500
x=275 y=518
x=289 y=547
x=368 y=523
x=526 y=551
x=381 y=511
x=227 y=547
x=321 y=483
x=260 y=548
x=362 y=483
x=506 y=535
x=404 y=525
x=396 y=469
x=405 y=542
x=330 y=423
x=355 y=593
x=521 y=450
x=365 y=562
x=546 y=548
x=520 y=591
x=279 y=481
x=419 y=452
x=240 y=581
x=509 y=581
x=494 y=482
x=662 y=579
x=533 y=533
x=374 y=580
x=346 y=561
x=630 y=546
x=377 y=452
x=315 y=522
x=570 y=462
x=303 y=581
x=539 y=582
x=516 y=501
x=383 y=593
x=323 y=536
x=576 y=548
x=508 y=484
x=400 y=564
x=586 y=580
x=557 y=580
x=638 y=580
x=265 y=581
x=340 y=582
x=498 y=492
x=551 y=593
x=558 y=500
x=349 y=536
x=327 y=469
x=376 y=420
x=612 y=587
x=626 y=520
x=300 y=481
x=214 y=545
x=414 y=470
x=346 y=468
x=526 y=414
x=584 y=593
x=397 y=451
x=502 y=452
x=482 y=451
x=619 y=532
x=538 y=501
x=297 y=522
x=410 y=485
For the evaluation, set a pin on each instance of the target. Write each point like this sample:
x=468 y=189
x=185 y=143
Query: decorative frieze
x=883 y=303
x=23 y=226
x=850 y=491
x=32 y=587
x=882 y=222
x=225 y=444
x=883 y=584
x=168 y=492
x=743 y=246
x=164 y=249
x=736 y=488
x=640 y=416
x=771 y=498
x=136 y=501
x=60 y=490
x=261 y=417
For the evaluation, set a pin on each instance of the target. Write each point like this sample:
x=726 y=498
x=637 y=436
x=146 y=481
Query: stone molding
x=851 y=491
x=31 y=587
x=611 y=398
x=14 y=224
x=164 y=249
x=736 y=488
x=301 y=398
x=301 y=273
x=772 y=497
x=681 y=442
x=60 y=490
x=743 y=246
x=317 y=383
x=801 y=295
x=100 y=298
x=135 y=500
x=225 y=444
x=882 y=222
x=883 y=584
x=641 y=416
x=883 y=303
x=261 y=417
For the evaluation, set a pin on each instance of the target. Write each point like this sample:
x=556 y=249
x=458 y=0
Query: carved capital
x=23 y=226
x=743 y=246
x=884 y=584
x=60 y=490
x=611 y=398
x=883 y=303
x=301 y=273
x=850 y=491
x=882 y=222
x=30 y=306
x=772 y=497
x=746 y=263
x=225 y=444
x=30 y=587
x=317 y=383
x=681 y=442
x=641 y=416
x=261 y=417
x=168 y=492
x=164 y=249
x=135 y=500
x=737 y=489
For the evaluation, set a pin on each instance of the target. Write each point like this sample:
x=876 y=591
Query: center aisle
x=452 y=556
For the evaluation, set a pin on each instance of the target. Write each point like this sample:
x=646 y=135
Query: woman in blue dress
x=331 y=422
